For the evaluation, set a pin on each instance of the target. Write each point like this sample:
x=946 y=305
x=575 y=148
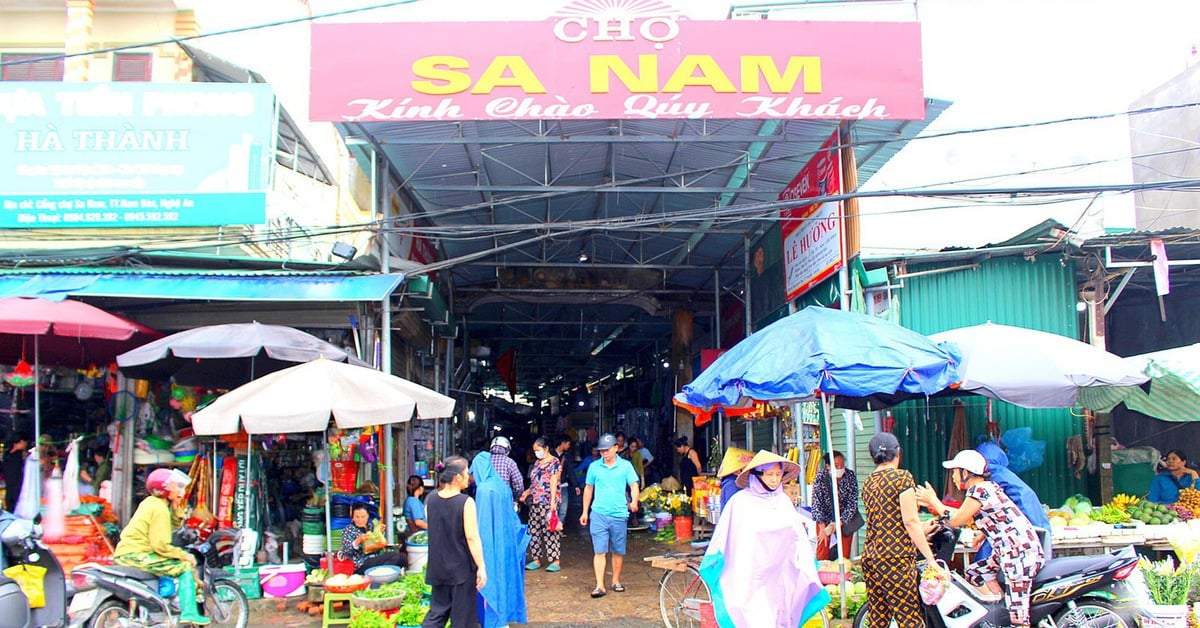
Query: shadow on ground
x=554 y=600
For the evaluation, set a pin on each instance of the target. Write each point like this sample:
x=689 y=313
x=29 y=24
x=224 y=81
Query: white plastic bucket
x=418 y=555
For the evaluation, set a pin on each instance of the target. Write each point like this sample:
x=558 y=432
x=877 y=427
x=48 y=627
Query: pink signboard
x=581 y=65
x=812 y=234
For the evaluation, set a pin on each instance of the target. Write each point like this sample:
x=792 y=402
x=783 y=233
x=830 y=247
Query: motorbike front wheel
x=1090 y=613
x=862 y=621
x=226 y=605
x=111 y=614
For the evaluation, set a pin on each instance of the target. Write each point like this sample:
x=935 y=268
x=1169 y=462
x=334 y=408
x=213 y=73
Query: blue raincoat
x=502 y=599
x=1016 y=489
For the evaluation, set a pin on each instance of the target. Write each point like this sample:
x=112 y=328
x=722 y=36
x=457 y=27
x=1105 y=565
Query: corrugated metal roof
x=1038 y=294
x=622 y=194
x=177 y=272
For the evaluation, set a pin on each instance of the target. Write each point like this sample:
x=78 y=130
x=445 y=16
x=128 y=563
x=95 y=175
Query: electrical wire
x=230 y=31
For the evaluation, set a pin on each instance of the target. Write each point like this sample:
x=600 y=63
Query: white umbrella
x=1034 y=369
x=303 y=397
x=227 y=356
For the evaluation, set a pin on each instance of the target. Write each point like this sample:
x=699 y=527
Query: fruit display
x=1189 y=498
x=1123 y=502
x=1152 y=513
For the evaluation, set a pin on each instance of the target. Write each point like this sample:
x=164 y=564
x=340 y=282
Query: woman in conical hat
x=731 y=465
x=759 y=564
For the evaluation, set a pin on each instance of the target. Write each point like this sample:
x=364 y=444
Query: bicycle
x=683 y=594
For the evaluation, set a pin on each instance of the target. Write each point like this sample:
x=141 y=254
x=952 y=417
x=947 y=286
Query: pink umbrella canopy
x=70 y=333
x=63 y=333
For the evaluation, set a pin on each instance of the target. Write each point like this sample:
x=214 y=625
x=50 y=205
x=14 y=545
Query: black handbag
x=853 y=524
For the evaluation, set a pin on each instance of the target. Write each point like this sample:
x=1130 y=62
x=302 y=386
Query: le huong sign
x=625 y=64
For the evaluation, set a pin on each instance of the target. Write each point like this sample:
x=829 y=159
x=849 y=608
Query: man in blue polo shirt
x=607 y=480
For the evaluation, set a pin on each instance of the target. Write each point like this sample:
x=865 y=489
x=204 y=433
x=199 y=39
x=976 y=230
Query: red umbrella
x=63 y=333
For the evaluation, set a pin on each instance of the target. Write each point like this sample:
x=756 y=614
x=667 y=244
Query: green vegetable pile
x=391 y=589
x=366 y=618
x=412 y=609
x=420 y=538
x=1109 y=514
x=414 y=587
x=665 y=534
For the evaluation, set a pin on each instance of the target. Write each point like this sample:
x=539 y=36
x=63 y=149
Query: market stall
x=303 y=398
x=837 y=357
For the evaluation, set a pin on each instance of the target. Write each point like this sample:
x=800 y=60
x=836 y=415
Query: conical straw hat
x=791 y=470
x=735 y=458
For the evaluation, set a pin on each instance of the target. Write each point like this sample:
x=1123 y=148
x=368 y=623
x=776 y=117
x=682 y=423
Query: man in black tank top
x=455 y=569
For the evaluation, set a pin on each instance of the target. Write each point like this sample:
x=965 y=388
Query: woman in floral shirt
x=822 y=506
x=542 y=498
x=1016 y=550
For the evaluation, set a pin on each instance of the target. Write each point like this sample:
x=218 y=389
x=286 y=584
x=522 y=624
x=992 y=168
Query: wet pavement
x=553 y=600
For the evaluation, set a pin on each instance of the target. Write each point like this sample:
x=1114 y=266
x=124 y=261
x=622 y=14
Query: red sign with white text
x=620 y=63
x=812 y=234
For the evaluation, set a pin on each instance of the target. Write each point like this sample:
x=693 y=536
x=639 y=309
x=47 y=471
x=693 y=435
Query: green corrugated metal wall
x=1037 y=294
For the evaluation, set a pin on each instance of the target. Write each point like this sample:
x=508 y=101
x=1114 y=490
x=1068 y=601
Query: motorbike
x=115 y=596
x=21 y=541
x=1074 y=592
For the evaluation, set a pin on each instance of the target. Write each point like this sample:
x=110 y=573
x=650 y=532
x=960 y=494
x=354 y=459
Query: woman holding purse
x=822 y=507
x=542 y=499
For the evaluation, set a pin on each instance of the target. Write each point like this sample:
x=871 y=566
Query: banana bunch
x=1123 y=501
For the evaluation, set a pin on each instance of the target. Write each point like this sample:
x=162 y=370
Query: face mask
x=540 y=454
x=838 y=473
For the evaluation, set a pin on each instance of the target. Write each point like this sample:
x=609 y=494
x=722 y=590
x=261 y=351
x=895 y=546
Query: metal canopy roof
x=573 y=241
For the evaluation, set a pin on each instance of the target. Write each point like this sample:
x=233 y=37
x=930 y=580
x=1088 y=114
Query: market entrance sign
x=584 y=64
x=812 y=233
x=134 y=154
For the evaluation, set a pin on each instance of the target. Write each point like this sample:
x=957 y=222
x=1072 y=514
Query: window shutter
x=131 y=66
x=44 y=70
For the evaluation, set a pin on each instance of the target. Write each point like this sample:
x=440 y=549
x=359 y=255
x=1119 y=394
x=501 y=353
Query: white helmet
x=501 y=441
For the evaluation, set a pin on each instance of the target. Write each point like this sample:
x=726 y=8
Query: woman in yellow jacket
x=146 y=540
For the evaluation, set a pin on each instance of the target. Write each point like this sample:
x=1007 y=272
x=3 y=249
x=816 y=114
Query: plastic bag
x=32 y=580
x=27 y=503
x=555 y=524
x=935 y=580
x=1024 y=453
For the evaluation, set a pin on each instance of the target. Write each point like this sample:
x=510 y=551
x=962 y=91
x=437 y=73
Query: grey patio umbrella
x=227 y=356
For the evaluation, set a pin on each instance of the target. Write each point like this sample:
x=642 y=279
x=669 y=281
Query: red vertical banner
x=506 y=367
x=812 y=232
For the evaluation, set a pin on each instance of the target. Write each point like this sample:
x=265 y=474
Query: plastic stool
x=329 y=618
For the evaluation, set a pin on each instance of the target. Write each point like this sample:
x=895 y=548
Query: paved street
x=554 y=599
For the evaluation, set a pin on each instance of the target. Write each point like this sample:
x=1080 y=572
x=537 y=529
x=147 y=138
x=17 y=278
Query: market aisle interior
x=554 y=599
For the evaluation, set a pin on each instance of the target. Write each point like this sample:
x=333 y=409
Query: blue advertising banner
x=134 y=154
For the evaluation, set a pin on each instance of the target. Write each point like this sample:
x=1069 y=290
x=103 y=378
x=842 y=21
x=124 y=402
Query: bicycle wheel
x=681 y=595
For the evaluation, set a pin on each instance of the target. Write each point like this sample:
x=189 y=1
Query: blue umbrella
x=861 y=360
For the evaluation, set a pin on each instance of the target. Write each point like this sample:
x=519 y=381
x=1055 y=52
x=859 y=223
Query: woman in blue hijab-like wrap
x=505 y=538
x=1016 y=489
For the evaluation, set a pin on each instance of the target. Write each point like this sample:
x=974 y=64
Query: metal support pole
x=826 y=409
x=387 y=466
x=746 y=286
x=716 y=309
